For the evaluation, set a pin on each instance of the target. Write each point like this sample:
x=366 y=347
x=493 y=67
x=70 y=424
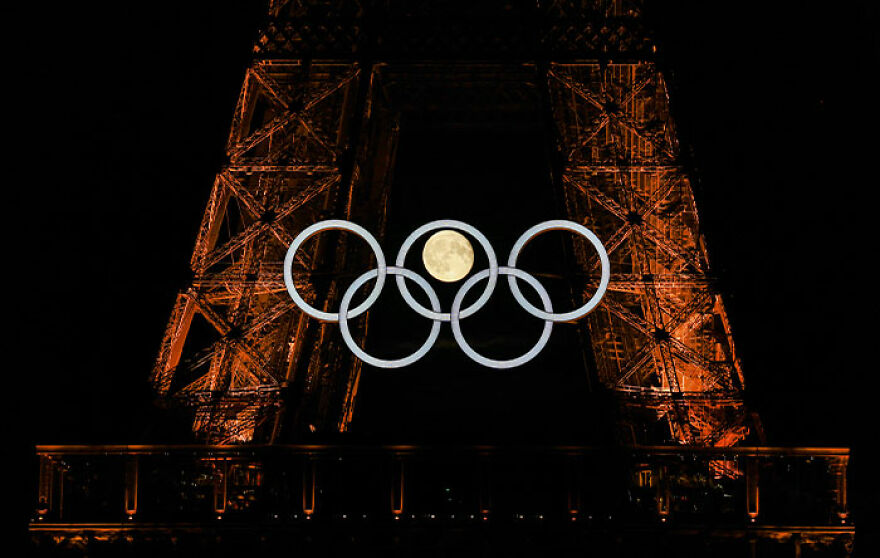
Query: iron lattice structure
x=661 y=338
x=314 y=135
x=285 y=171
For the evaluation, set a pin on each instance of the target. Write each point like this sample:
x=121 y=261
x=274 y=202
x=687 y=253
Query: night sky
x=122 y=121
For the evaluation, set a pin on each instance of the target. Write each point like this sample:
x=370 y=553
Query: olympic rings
x=456 y=314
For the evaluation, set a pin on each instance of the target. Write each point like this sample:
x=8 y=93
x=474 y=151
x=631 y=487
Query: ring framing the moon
x=448 y=256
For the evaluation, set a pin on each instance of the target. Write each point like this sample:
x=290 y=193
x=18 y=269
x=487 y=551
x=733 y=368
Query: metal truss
x=314 y=134
x=661 y=338
x=453 y=30
x=233 y=341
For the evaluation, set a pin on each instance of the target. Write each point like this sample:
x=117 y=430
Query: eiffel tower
x=571 y=98
x=315 y=133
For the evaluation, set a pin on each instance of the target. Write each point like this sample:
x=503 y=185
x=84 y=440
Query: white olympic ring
x=560 y=225
x=448 y=224
x=363 y=355
x=477 y=357
x=456 y=313
x=329 y=225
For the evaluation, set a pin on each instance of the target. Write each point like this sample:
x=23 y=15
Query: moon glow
x=448 y=256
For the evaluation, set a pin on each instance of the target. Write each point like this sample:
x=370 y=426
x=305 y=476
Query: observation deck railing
x=737 y=488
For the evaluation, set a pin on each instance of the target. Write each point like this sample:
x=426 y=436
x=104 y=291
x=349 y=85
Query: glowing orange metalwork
x=661 y=339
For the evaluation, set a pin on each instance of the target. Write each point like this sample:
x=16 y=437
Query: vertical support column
x=840 y=487
x=221 y=472
x=60 y=498
x=484 y=484
x=664 y=495
x=574 y=482
x=44 y=487
x=310 y=486
x=398 y=482
x=752 y=504
x=131 y=486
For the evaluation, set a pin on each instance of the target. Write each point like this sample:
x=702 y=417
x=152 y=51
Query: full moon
x=448 y=256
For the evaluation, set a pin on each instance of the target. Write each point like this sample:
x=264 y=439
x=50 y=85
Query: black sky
x=122 y=113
